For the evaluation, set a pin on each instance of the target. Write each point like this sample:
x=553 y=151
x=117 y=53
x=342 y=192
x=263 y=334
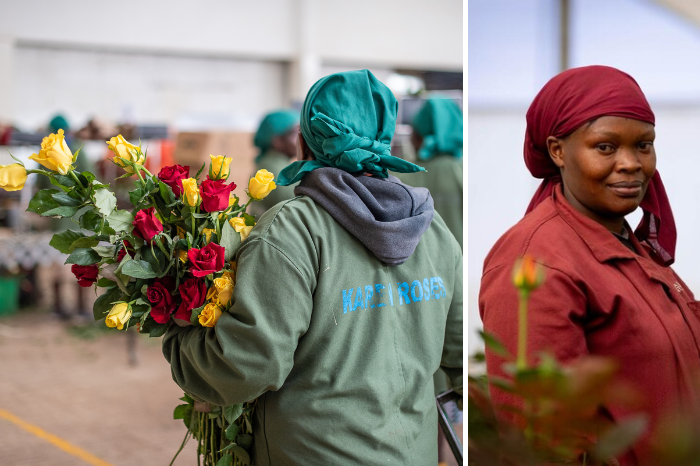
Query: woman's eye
x=605 y=148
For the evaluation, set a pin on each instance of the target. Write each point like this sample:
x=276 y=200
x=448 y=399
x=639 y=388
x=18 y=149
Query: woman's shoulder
x=542 y=234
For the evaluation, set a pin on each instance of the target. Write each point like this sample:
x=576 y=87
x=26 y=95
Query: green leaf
x=232 y=431
x=230 y=240
x=103 y=303
x=199 y=215
x=620 y=437
x=156 y=258
x=43 y=201
x=91 y=220
x=136 y=196
x=199 y=172
x=83 y=256
x=187 y=399
x=64 y=180
x=89 y=177
x=138 y=269
x=105 y=251
x=194 y=318
x=245 y=440
x=105 y=201
x=63 y=211
x=121 y=220
x=65 y=199
x=239 y=452
x=226 y=460
x=249 y=219
x=180 y=410
x=86 y=242
x=105 y=283
x=233 y=412
x=494 y=345
x=158 y=330
x=64 y=240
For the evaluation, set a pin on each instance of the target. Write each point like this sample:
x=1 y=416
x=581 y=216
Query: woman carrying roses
x=340 y=313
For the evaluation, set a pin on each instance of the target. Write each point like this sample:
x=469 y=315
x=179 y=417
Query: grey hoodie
x=387 y=216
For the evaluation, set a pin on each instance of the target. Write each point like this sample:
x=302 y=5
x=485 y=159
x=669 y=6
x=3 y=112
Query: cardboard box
x=193 y=149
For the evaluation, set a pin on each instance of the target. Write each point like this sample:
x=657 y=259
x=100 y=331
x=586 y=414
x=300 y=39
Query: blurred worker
x=277 y=140
x=437 y=138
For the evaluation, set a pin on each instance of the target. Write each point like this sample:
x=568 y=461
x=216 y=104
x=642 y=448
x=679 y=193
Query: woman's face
x=606 y=165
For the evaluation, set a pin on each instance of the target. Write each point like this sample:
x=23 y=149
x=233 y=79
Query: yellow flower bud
x=118 y=316
x=183 y=256
x=127 y=151
x=181 y=233
x=207 y=234
x=260 y=186
x=219 y=167
x=54 y=154
x=210 y=315
x=239 y=225
x=12 y=177
x=224 y=287
x=527 y=274
x=190 y=192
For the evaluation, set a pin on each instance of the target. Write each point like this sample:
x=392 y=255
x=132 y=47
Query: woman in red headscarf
x=609 y=290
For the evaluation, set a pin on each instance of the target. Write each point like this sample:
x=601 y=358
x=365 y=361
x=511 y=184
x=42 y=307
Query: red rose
x=146 y=225
x=215 y=194
x=86 y=274
x=122 y=251
x=193 y=292
x=207 y=260
x=162 y=305
x=173 y=176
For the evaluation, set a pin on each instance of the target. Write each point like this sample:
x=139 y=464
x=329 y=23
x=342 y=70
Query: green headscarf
x=274 y=124
x=440 y=122
x=348 y=120
x=58 y=122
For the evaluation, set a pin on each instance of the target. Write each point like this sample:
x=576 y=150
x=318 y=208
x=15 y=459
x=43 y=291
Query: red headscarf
x=578 y=96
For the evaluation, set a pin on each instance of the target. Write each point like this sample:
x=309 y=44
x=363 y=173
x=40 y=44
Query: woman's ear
x=303 y=150
x=556 y=151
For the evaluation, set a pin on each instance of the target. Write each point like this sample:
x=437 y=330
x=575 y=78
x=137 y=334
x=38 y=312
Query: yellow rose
x=126 y=151
x=224 y=285
x=219 y=167
x=260 y=186
x=183 y=256
x=54 y=154
x=212 y=294
x=210 y=315
x=12 y=177
x=207 y=234
x=239 y=225
x=118 y=316
x=190 y=192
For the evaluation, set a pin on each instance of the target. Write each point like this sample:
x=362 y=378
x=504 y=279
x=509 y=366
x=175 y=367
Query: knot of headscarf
x=348 y=120
x=440 y=123
x=578 y=96
x=274 y=124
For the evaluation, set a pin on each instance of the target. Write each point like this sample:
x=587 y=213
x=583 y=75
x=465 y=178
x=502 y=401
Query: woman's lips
x=627 y=188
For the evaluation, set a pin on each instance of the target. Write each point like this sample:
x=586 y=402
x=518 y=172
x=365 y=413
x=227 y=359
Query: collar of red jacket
x=602 y=243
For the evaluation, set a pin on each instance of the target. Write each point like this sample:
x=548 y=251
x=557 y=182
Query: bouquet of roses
x=170 y=260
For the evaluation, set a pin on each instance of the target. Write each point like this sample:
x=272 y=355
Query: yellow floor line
x=59 y=442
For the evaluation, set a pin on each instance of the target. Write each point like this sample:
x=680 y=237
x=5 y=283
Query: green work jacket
x=443 y=179
x=339 y=348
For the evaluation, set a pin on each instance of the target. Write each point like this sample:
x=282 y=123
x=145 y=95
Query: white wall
x=143 y=88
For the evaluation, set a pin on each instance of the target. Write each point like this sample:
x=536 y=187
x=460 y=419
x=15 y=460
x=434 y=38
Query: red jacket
x=598 y=298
